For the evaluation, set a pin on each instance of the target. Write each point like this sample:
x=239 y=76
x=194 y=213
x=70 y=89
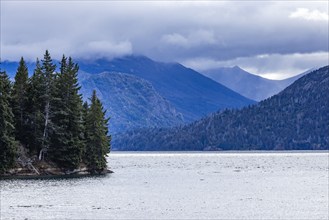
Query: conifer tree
x=97 y=139
x=20 y=100
x=85 y=109
x=35 y=109
x=48 y=72
x=66 y=140
x=8 y=145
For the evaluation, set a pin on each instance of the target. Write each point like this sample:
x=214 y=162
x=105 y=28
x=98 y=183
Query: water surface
x=193 y=185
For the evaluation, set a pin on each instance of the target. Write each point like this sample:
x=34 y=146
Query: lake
x=183 y=185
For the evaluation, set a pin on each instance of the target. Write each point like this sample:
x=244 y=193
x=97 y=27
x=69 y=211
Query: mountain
x=190 y=92
x=131 y=102
x=247 y=84
x=295 y=119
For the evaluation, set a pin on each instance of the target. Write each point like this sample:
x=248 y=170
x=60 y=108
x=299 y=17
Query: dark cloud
x=217 y=32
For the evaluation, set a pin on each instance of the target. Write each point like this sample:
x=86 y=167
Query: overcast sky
x=275 y=39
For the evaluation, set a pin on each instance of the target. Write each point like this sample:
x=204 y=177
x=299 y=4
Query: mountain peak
x=237 y=68
x=133 y=57
x=250 y=85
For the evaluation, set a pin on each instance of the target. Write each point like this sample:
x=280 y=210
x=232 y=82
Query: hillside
x=131 y=102
x=191 y=93
x=295 y=119
x=247 y=84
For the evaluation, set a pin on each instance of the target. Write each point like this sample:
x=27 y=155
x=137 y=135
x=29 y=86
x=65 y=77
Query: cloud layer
x=307 y=14
x=192 y=32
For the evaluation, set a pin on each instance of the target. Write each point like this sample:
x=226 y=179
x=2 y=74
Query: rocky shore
x=47 y=169
x=32 y=167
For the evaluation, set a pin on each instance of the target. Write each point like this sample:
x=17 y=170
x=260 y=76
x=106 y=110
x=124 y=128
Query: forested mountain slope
x=295 y=119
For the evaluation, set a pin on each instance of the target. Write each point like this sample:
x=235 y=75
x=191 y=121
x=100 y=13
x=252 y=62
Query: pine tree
x=35 y=108
x=66 y=140
x=8 y=145
x=48 y=72
x=97 y=139
x=85 y=110
x=20 y=100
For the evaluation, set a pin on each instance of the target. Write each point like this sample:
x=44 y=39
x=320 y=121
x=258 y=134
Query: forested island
x=45 y=128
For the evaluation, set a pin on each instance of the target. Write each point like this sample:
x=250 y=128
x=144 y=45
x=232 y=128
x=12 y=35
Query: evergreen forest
x=43 y=118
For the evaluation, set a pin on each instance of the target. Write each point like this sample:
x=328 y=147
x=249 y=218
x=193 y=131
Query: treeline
x=45 y=114
x=295 y=119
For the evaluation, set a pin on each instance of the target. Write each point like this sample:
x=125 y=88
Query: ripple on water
x=181 y=185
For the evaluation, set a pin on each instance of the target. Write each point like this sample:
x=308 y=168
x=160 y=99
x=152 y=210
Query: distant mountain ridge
x=190 y=92
x=295 y=119
x=247 y=84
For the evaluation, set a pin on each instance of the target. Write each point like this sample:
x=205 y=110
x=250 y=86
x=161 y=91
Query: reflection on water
x=194 y=185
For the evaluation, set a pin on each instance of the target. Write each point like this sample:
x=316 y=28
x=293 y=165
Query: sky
x=274 y=39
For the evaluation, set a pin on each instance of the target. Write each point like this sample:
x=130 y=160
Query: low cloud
x=31 y=50
x=307 y=14
x=88 y=50
x=196 y=38
x=104 y=49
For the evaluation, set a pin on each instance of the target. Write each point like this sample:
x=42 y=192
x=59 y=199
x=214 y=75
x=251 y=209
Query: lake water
x=254 y=185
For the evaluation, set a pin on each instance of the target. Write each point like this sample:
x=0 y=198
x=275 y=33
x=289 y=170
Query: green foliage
x=35 y=110
x=50 y=119
x=85 y=109
x=48 y=86
x=40 y=103
x=66 y=140
x=97 y=139
x=8 y=145
x=20 y=102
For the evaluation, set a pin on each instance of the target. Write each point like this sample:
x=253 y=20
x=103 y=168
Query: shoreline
x=42 y=169
x=52 y=176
